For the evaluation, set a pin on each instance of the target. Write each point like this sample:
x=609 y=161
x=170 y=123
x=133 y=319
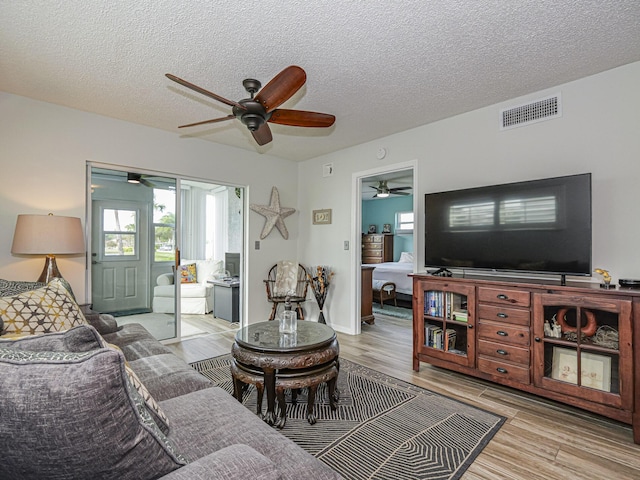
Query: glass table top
x=266 y=337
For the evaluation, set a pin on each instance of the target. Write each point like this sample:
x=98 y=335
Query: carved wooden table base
x=277 y=372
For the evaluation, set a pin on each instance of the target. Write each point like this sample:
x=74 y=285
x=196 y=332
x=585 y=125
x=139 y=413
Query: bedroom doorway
x=385 y=205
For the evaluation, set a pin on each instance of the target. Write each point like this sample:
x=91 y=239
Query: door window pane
x=120 y=231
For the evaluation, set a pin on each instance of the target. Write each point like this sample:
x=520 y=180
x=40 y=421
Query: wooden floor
x=541 y=439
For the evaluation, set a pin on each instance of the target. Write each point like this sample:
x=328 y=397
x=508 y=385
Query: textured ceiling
x=379 y=67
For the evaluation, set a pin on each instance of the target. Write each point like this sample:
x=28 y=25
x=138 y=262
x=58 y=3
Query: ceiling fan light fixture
x=383 y=194
x=133 y=178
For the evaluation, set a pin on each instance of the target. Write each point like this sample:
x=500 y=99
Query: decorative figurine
x=606 y=278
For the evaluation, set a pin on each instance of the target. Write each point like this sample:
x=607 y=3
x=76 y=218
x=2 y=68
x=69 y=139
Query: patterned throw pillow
x=45 y=310
x=82 y=338
x=188 y=273
x=12 y=287
x=156 y=412
x=76 y=415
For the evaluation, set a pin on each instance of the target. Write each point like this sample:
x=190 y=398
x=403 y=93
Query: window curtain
x=194 y=223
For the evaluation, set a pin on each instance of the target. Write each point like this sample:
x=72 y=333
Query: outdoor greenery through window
x=164 y=225
x=120 y=232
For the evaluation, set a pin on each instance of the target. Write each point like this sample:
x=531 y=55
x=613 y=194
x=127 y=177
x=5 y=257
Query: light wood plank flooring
x=541 y=439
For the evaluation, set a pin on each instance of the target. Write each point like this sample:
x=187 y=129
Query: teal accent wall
x=380 y=211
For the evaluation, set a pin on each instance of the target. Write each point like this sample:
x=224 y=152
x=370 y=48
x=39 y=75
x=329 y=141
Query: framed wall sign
x=322 y=217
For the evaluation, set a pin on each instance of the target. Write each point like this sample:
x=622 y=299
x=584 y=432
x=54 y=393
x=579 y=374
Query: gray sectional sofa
x=74 y=406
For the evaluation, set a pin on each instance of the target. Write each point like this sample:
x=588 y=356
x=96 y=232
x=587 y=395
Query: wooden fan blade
x=300 y=118
x=399 y=193
x=203 y=91
x=399 y=188
x=281 y=87
x=262 y=136
x=222 y=119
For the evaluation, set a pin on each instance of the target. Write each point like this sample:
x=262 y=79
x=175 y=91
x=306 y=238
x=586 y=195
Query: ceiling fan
x=256 y=112
x=137 y=178
x=383 y=191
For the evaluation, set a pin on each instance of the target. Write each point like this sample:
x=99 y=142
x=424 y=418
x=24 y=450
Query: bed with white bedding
x=396 y=272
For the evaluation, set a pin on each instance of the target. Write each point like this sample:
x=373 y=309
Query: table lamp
x=48 y=235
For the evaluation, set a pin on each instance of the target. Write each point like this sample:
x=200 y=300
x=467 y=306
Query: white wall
x=43 y=153
x=599 y=132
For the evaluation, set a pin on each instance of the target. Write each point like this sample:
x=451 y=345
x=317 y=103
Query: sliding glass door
x=147 y=230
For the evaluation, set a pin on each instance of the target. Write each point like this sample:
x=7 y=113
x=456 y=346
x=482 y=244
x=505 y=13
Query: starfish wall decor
x=274 y=214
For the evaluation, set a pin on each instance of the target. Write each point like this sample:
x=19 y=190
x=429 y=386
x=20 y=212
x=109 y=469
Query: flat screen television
x=539 y=226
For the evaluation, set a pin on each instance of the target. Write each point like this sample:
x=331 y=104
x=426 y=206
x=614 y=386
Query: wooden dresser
x=377 y=248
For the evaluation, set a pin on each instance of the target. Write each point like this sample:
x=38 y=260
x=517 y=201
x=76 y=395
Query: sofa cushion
x=47 y=309
x=237 y=462
x=187 y=290
x=209 y=420
x=187 y=273
x=154 y=409
x=82 y=338
x=208 y=269
x=76 y=415
x=135 y=341
x=168 y=376
x=102 y=322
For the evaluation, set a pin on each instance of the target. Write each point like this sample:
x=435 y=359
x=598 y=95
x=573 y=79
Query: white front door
x=120 y=256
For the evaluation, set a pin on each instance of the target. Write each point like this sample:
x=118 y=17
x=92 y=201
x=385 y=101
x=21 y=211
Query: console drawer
x=504 y=296
x=503 y=352
x=498 y=313
x=503 y=369
x=503 y=333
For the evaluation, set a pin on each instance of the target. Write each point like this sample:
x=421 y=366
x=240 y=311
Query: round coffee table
x=275 y=361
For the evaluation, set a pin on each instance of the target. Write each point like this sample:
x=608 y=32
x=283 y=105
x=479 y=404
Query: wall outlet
x=257 y=245
x=346 y=244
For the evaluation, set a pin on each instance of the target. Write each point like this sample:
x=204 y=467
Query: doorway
x=146 y=228
x=385 y=215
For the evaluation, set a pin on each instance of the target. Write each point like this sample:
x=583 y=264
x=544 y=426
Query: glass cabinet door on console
x=582 y=347
x=447 y=321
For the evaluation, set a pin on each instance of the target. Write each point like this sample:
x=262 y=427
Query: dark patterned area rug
x=384 y=428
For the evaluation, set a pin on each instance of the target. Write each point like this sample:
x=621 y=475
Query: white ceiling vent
x=533 y=112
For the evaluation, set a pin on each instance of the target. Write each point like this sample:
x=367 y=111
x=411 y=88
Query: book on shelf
x=432 y=335
x=449 y=339
x=460 y=315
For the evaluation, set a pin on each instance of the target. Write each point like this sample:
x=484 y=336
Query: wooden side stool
x=384 y=291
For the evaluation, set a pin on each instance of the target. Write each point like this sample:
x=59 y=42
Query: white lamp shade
x=48 y=235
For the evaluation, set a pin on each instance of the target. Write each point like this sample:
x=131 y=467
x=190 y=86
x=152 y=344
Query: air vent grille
x=533 y=112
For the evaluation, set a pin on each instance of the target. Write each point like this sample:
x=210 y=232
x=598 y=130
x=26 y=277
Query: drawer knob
x=502 y=333
x=501 y=370
x=537 y=339
x=502 y=296
x=501 y=352
x=502 y=315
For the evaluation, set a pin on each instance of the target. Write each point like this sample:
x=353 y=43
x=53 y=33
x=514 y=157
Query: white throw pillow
x=406 y=257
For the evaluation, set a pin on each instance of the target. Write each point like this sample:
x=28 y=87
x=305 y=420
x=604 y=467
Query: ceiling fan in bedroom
x=258 y=111
x=383 y=191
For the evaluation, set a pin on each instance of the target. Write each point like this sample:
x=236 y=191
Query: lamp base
x=50 y=270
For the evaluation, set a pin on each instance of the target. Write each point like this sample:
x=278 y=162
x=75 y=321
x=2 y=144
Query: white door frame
x=356 y=231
